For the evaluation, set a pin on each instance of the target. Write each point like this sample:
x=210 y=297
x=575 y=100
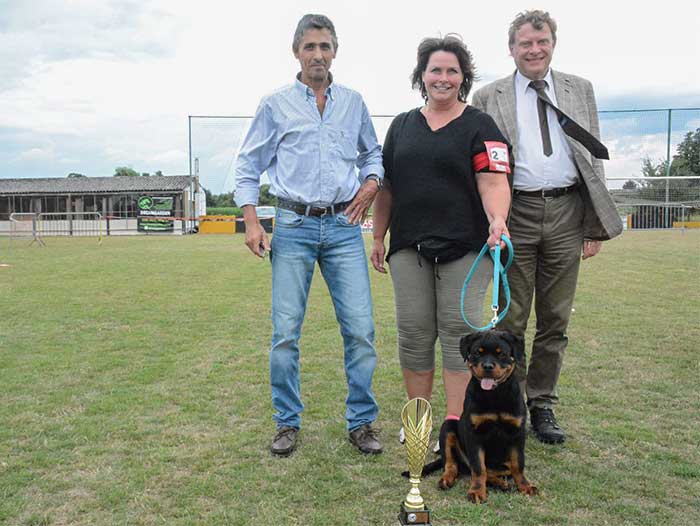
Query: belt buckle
x=547 y=197
x=325 y=211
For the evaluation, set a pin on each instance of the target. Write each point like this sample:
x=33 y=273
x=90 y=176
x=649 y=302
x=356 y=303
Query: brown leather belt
x=548 y=192
x=308 y=210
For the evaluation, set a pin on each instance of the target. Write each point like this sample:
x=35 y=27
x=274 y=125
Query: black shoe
x=284 y=442
x=545 y=427
x=365 y=438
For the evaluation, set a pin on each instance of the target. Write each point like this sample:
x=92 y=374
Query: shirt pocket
x=345 y=144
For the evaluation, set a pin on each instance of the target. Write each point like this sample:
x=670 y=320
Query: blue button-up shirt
x=310 y=158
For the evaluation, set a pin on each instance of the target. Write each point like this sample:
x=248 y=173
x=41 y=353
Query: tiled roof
x=91 y=185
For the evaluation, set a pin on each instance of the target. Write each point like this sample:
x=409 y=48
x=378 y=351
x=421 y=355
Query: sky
x=87 y=85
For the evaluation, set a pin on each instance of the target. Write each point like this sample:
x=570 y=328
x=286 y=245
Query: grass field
x=134 y=391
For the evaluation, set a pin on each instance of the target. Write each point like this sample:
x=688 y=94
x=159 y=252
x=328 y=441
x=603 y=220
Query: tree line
x=686 y=162
x=122 y=171
x=226 y=200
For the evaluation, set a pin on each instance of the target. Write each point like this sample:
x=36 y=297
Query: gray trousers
x=427 y=300
x=547 y=236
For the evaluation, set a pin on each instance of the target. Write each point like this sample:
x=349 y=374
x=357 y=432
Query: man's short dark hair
x=314 y=22
x=535 y=17
x=450 y=43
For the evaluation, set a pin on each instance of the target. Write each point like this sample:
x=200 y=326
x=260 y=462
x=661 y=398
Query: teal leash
x=499 y=277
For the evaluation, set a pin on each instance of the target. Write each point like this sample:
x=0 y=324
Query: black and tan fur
x=488 y=441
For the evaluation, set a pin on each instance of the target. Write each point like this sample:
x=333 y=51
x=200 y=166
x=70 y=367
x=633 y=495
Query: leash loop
x=499 y=278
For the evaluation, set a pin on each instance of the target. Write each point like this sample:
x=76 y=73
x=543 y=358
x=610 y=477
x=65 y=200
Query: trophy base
x=411 y=517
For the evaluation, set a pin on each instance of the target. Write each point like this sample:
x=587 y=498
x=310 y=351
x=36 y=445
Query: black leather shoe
x=545 y=427
x=284 y=442
x=366 y=439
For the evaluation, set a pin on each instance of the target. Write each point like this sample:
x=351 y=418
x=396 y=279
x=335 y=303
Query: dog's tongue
x=487 y=384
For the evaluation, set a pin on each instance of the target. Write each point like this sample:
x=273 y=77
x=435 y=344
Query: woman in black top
x=446 y=192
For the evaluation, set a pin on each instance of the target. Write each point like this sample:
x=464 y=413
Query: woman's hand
x=497 y=228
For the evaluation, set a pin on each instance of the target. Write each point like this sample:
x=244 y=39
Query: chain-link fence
x=641 y=179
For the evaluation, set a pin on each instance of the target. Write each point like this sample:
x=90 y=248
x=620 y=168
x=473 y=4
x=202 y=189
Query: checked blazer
x=575 y=97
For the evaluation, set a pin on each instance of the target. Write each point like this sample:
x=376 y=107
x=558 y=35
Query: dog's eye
x=498 y=350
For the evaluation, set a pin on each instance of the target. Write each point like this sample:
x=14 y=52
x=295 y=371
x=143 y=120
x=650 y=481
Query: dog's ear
x=517 y=343
x=465 y=344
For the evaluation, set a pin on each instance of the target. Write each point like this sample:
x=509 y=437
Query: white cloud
x=170 y=157
x=36 y=154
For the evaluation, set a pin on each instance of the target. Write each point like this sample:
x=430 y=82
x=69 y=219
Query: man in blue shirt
x=310 y=137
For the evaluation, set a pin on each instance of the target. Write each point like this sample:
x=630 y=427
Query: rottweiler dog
x=488 y=441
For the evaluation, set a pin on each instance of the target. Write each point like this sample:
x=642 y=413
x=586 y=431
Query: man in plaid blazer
x=561 y=209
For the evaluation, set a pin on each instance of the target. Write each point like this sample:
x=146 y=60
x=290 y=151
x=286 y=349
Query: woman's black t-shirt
x=435 y=201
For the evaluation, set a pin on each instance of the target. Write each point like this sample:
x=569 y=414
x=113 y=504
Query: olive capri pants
x=427 y=297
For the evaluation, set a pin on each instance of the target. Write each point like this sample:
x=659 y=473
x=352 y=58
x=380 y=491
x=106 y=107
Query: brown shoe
x=366 y=439
x=545 y=426
x=284 y=442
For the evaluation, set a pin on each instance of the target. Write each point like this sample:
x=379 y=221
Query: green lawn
x=134 y=390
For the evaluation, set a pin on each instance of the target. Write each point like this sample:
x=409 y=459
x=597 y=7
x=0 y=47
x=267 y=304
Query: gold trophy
x=416 y=417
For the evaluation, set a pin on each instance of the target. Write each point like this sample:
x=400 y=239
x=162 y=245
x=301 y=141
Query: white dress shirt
x=533 y=169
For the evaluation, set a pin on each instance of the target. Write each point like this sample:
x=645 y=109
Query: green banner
x=156 y=214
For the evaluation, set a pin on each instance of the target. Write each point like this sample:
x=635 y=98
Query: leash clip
x=494 y=320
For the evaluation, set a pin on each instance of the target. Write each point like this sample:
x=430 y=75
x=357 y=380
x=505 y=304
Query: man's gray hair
x=314 y=22
x=535 y=17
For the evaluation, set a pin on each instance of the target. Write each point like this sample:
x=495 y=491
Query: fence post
x=668 y=163
x=683 y=218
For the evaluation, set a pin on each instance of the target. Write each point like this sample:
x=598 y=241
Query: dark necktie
x=538 y=86
x=570 y=126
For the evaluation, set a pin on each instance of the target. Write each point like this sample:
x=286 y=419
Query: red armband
x=480 y=161
x=495 y=158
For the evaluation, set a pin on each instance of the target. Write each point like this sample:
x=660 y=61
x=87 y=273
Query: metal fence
x=632 y=136
x=25 y=226
x=79 y=224
x=110 y=223
x=38 y=226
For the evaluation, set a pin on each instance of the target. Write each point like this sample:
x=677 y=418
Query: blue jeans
x=298 y=243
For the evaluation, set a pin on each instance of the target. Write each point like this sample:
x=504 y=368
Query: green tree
x=686 y=162
x=125 y=171
x=653 y=189
x=689 y=151
x=224 y=200
x=629 y=185
x=210 y=198
x=266 y=198
x=74 y=174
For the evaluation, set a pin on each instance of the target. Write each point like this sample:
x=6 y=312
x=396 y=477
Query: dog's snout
x=488 y=366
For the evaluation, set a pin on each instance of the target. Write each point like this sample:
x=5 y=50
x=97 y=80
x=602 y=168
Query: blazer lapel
x=507 y=110
x=564 y=91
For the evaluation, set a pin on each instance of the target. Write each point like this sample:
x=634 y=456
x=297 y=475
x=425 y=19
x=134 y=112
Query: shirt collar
x=308 y=93
x=522 y=82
